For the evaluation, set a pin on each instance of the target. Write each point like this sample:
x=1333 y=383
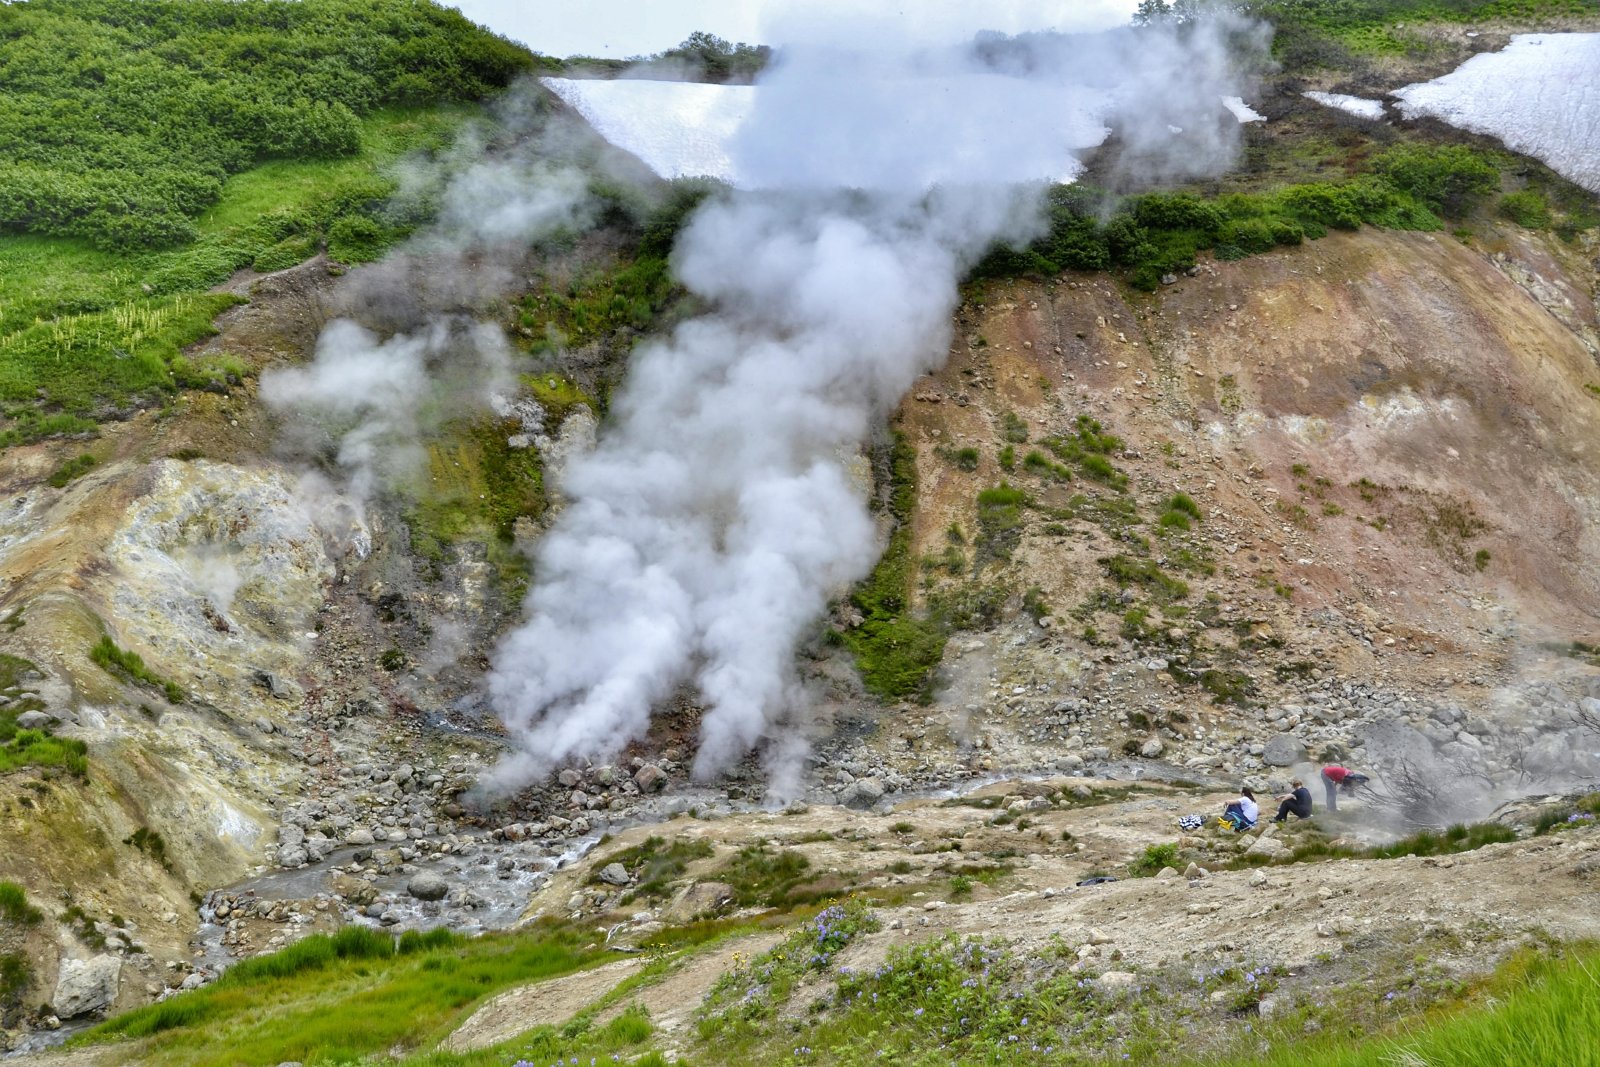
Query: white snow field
x=679 y=129
x=1355 y=105
x=1540 y=96
x=687 y=129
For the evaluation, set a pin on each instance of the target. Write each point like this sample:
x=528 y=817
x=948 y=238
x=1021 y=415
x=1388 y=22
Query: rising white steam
x=376 y=398
x=715 y=518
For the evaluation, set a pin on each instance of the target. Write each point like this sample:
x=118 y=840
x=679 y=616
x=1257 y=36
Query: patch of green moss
x=895 y=650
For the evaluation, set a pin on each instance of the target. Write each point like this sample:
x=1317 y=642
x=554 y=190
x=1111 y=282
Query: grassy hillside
x=152 y=149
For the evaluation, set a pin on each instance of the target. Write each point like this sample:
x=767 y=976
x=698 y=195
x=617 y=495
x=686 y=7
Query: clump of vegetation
x=1088 y=447
x=14 y=906
x=1527 y=208
x=16 y=975
x=1156 y=235
x=72 y=469
x=1131 y=570
x=151 y=843
x=999 y=522
x=776 y=879
x=1153 y=859
x=655 y=863
x=131 y=666
x=1564 y=817
x=1179 y=512
x=895 y=650
x=755 y=989
x=962 y=458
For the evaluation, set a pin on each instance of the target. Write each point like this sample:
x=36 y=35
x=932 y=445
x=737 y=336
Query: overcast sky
x=622 y=28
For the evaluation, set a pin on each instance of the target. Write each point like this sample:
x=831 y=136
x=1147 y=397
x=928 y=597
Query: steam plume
x=715 y=518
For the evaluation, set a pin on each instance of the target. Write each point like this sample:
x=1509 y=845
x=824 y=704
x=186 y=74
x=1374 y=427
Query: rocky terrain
x=1388 y=557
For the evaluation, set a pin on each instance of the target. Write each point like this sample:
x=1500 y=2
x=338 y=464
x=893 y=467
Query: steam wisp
x=716 y=517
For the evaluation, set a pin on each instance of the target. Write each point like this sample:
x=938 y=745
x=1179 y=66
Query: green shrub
x=895 y=650
x=1447 y=178
x=1153 y=859
x=357 y=239
x=1528 y=209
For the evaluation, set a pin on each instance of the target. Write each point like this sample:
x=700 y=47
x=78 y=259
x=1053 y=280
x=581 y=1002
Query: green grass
x=895 y=649
x=1540 y=1011
x=87 y=332
x=333 y=999
x=1311 y=843
x=14 y=906
x=131 y=666
x=775 y=879
x=16 y=975
x=32 y=748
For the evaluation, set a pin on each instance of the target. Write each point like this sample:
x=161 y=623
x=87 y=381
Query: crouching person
x=1297 y=803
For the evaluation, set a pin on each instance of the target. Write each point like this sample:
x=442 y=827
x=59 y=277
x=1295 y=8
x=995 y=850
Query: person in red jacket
x=1336 y=780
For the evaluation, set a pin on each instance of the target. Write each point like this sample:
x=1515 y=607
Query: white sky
x=622 y=28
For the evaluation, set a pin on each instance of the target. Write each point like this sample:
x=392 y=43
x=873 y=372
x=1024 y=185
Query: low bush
x=1528 y=209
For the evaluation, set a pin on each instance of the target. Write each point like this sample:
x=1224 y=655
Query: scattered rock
x=427 y=885
x=615 y=874
x=33 y=720
x=1153 y=747
x=649 y=778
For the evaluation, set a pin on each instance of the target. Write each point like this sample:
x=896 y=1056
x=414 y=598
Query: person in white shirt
x=1242 y=813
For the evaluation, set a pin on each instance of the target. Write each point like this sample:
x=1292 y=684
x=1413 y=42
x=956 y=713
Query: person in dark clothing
x=1297 y=803
x=1336 y=780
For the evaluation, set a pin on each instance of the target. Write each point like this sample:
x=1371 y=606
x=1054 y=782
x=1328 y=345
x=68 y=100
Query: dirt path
x=671 y=1002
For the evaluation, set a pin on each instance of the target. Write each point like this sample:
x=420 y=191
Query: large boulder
x=1284 y=750
x=426 y=885
x=1268 y=846
x=615 y=874
x=86 y=986
x=863 y=793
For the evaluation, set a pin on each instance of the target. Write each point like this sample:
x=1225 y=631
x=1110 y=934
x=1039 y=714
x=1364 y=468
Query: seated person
x=1298 y=802
x=1241 y=814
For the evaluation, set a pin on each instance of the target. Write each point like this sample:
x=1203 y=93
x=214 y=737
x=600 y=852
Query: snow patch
x=1355 y=105
x=688 y=129
x=1241 y=110
x=679 y=129
x=1540 y=96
